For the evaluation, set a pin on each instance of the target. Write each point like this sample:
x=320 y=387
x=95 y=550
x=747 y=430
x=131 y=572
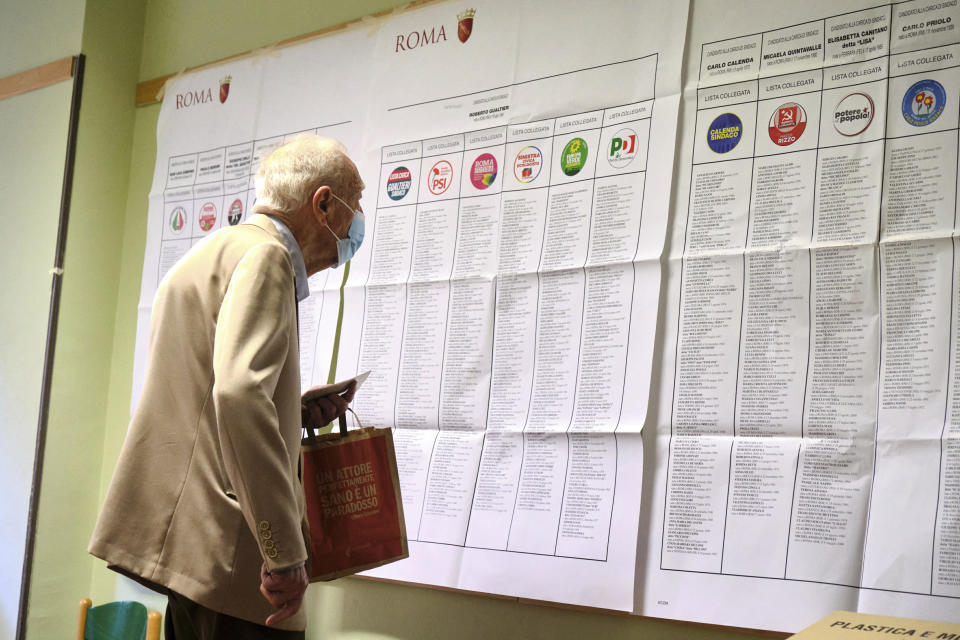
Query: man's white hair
x=288 y=178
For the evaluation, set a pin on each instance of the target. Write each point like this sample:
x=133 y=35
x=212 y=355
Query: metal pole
x=55 y=286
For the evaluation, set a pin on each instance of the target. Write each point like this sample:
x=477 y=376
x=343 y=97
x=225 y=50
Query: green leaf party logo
x=574 y=157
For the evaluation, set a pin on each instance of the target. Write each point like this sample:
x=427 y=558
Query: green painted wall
x=33 y=135
x=69 y=497
x=183 y=33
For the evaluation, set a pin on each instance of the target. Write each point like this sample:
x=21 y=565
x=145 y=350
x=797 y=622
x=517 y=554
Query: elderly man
x=205 y=503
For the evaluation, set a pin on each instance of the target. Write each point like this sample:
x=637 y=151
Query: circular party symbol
x=235 y=212
x=787 y=124
x=483 y=171
x=527 y=164
x=853 y=114
x=724 y=133
x=398 y=183
x=208 y=216
x=178 y=219
x=623 y=148
x=440 y=178
x=923 y=102
x=574 y=157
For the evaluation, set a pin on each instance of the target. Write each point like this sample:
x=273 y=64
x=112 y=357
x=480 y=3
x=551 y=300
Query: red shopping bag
x=353 y=501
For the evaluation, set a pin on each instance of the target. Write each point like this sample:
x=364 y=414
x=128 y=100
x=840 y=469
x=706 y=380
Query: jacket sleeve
x=250 y=347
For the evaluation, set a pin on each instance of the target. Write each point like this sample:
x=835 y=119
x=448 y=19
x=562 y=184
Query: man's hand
x=323 y=410
x=284 y=590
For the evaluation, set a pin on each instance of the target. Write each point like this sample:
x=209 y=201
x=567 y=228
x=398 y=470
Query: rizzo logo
x=435 y=35
x=787 y=124
x=203 y=96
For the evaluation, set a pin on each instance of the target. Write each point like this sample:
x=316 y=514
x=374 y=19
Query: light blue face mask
x=347 y=247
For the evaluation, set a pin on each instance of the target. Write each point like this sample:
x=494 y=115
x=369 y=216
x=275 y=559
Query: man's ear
x=320 y=203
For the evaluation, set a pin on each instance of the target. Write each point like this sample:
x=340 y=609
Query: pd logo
x=923 y=102
x=527 y=164
x=484 y=171
x=623 y=148
x=441 y=176
x=787 y=124
x=398 y=183
x=724 y=133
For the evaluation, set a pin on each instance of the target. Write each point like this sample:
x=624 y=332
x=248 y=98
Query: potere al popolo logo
x=853 y=114
x=483 y=172
x=441 y=177
x=724 y=133
x=574 y=157
x=527 y=164
x=398 y=183
x=923 y=102
x=787 y=124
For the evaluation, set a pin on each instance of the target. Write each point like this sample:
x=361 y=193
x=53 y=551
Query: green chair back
x=116 y=621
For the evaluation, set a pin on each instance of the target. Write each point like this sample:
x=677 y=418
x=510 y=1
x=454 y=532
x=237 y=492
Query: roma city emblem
x=224 y=88
x=465 y=24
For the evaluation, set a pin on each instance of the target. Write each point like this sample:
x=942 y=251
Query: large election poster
x=517 y=163
x=807 y=438
x=533 y=173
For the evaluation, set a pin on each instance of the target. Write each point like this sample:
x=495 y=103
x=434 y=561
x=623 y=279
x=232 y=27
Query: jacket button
x=266 y=535
x=264 y=525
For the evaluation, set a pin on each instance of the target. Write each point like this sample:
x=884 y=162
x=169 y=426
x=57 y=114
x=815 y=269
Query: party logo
x=208 y=216
x=483 y=171
x=923 y=102
x=574 y=157
x=398 y=183
x=441 y=177
x=724 y=133
x=853 y=114
x=527 y=164
x=623 y=148
x=235 y=212
x=178 y=219
x=787 y=124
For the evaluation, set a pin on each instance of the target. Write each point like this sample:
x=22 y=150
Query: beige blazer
x=206 y=488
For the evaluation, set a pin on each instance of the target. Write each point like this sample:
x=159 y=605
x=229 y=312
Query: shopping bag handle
x=312 y=433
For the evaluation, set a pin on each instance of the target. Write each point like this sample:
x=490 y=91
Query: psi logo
x=398 y=183
x=623 y=148
x=923 y=102
x=441 y=175
x=787 y=124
